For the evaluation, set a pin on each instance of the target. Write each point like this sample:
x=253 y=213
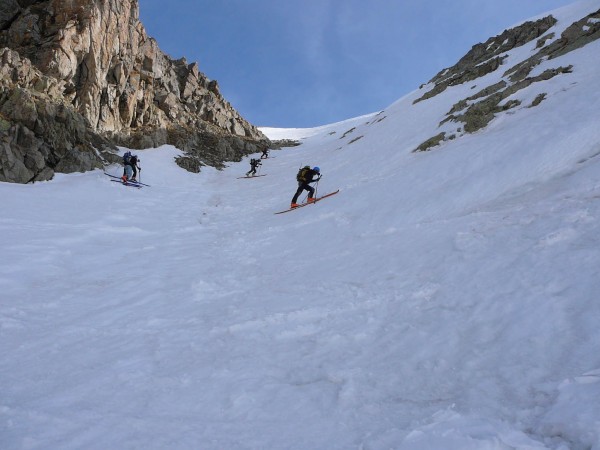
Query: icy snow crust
x=443 y=300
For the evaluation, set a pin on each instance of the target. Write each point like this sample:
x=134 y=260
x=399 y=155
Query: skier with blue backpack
x=130 y=167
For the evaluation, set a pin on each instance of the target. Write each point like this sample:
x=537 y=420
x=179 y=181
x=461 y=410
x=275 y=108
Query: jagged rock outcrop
x=39 y=132
x=476 y=111
x=487 y=57
x=281 y=143
x=105 y=69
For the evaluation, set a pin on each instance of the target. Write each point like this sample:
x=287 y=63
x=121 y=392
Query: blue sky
x=305 y=63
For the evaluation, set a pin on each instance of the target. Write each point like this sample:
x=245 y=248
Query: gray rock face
x=476 y=111
x=99 y=64
x=8 y=11
x=39 y=132
x=487 y=57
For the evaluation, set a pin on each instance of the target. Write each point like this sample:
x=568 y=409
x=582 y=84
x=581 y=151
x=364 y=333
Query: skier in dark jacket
x=135 y=165
x=254 y=163
x=265 y=154
x=130 y=167
x=305 y=176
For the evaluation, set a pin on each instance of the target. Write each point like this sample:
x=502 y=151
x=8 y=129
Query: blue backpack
x=127 y=158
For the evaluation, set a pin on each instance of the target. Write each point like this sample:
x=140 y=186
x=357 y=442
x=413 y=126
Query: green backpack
x=301 y=176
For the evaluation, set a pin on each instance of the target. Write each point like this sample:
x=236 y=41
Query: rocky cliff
x=81 y=76
x=476 y=111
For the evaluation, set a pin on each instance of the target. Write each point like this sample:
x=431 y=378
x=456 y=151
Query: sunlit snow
x=442 y=300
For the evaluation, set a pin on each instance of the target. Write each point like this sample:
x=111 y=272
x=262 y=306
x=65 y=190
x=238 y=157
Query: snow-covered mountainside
x=444 y=299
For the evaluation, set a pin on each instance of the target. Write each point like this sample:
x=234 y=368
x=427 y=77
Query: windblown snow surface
x=442 y=300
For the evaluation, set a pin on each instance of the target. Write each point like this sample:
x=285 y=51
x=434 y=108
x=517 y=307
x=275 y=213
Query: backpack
x=127 y=158
x=302 y=173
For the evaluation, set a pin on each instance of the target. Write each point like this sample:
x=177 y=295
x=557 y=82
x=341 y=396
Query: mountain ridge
x=119 y=81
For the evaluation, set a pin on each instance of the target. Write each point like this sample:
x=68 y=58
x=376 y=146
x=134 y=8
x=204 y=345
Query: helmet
x=317 y=169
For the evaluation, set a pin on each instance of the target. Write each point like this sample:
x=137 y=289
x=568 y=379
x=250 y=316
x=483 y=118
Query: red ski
x=253 y=176
x=305 y=204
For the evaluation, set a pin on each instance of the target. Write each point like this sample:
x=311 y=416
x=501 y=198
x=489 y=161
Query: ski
x=253 y=176
x=129 y=181
x=137 y=182
x=306 y=204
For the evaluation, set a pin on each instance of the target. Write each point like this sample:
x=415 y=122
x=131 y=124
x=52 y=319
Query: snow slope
x=443 y=300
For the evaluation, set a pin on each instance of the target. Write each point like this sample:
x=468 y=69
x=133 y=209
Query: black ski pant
x=251 y=171
x=302 y=186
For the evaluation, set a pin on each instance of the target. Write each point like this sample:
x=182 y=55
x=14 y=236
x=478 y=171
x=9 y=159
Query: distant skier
x=265 y=154
x=135 y=165
x=304 y=177
x=254 y=163
x=130 y=166
x=127 y=169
